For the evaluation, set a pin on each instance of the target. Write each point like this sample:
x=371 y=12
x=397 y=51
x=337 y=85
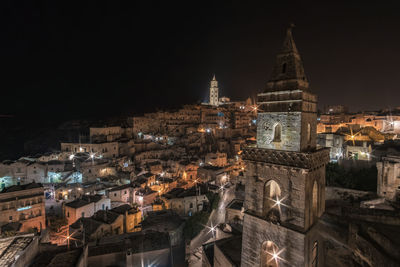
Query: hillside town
x=271 y=181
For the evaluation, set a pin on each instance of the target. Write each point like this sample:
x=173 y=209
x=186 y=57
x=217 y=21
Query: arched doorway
x=272 y=192
x=269 y=254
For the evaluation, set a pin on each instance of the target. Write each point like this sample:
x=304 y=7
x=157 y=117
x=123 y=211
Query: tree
x=362 y=179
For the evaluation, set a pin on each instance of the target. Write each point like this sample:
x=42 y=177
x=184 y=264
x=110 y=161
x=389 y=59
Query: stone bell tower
x=214 y=101
x=285 y=173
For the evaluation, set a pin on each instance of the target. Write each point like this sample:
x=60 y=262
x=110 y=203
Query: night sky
x=72 y=60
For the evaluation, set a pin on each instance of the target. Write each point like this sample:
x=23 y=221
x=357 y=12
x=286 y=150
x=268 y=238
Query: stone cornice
x=303 y=160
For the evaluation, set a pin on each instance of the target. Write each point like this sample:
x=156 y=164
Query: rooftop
x=83 y=201
x=236 y=204
x=53 y=255
x=154 y=163
x=11 y=247
x=213 y=168
x=15 y=188
x=164 y=179
x=179 y=192
x=231 y=247
x=137 y=242
x=121 y=187
x=163 y=221
x=90 y=225
x=124 y=208
x=105 y=216
x=146 y=175
x=66 y=259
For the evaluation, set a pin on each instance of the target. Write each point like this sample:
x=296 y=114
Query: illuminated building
x=132 y=217
x=216 y=159
x=214 y=92
x=121 y=194
x=335 y=142
x=106 y=149
x=285 y=173
x=23 y=204
x=186 y=202
x=85 y=206
x=336 y=109
x=109 y=134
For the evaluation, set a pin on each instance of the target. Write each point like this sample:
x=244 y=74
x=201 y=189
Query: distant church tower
x=214 y=92
x=285 y=173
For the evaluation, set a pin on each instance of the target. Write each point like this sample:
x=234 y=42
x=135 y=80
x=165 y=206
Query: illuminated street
x=216 y=217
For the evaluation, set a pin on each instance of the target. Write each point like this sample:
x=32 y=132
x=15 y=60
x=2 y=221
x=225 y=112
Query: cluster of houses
x=358 y=136
x=147 y=176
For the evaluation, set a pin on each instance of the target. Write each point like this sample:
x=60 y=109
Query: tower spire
x=289 y=44
x=288 y=72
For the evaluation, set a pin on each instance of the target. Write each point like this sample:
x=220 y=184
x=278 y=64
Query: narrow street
x=217 y=216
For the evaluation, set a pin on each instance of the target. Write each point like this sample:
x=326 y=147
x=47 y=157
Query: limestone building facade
x=285 y=174
x=23 y=204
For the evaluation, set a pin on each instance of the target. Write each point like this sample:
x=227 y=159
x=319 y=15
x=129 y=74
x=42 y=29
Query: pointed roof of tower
x=214 y=78
x=288 y=72
x=288 y=44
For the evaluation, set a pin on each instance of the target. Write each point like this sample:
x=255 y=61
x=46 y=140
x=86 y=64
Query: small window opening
x=284 y=68
x=277 y=133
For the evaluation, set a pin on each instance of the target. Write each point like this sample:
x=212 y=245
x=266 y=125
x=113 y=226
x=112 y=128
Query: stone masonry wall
x=256 y=231
x=388 y=181
x=296 y=187
x=306 y=144
x=291 y=130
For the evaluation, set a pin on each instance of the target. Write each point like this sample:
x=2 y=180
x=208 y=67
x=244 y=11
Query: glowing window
x=272 y=192
x=315 y=201
x=269 y=254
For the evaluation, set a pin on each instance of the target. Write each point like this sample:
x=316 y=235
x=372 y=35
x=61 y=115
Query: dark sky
x=68 y=60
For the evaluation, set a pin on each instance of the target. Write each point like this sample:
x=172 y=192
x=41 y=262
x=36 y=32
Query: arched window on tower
x=308 y=133
x=314 y=262
x=277 y=132
x=315 y=202
x=269 y=252
x=284 y=68
x=272 y=192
